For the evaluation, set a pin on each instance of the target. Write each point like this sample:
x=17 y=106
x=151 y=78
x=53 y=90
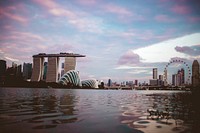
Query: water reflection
x=168 y=112
x=41 y=110
x=91 y=111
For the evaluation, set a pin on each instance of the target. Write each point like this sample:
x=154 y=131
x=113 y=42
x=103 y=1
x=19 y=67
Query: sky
x=122 y=39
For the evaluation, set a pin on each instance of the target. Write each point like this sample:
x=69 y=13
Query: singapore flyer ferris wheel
x=187 y=71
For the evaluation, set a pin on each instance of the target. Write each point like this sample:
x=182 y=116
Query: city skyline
x=122 y=41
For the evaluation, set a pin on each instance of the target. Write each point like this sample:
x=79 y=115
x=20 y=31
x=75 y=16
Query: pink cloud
x=164 y=18
x=87 y=2
x=129 y=58
x=194 y=50
x=181 y=9
x=47 y=3
x=16 y=35
x=82 y=23
x=117 y=10
x=56 y=9
x=6 y=12
x=61 y=12
x=194 y=19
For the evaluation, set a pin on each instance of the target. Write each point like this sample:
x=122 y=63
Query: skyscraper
x=136 y=82
x=179 y=78
x=37 y=73
x=161 y=77
x=155 y=73
x=160 y=81
x=2 y=70
x=53 y=64
x=62 y=69
x=2 y=67
x=70 y=63
x=27 y=71
x=109 y=82
x=63 y=65
x=52 y=69
x=165 y=77
x=195 y=73
x=174 y=79
x=45 y=71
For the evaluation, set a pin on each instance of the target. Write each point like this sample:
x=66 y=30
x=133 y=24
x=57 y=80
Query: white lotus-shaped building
x=71 y=78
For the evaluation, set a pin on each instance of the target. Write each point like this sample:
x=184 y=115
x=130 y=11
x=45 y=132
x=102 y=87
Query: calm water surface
x=94 y=111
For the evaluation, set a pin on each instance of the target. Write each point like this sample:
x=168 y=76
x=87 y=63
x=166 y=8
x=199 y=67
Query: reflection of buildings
x=195 y=73
x=53 y=63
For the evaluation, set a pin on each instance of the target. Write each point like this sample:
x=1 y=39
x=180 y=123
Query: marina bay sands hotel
x=53 y=65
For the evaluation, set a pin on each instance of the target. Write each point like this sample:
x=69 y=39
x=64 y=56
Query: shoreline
x=49 y=87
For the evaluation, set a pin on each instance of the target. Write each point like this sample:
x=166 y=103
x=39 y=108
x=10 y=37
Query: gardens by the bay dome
x=70 y=78
x=90 y=83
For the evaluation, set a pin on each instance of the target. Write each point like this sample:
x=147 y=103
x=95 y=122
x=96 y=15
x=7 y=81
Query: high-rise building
x=153 y=82
x=62 y=69
x=178 y=78
x=2 y=67
x=45 y=71
x=53 y=63
x=155 y=73
x=195 y=73
x=14 y=72
x=160 y=80
x=63 y=65
x=109 y=82
x=70 y=63
x=62 y=72
x=27 y=71
x=19 y=71
x=14 y=64
x=182 y=76
x=165 y=77
x=130 y=83
x=2 y=70
x=37 y=73
x=136 y=82
x=161 y=77
x=52 y=69
x=174 y=79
